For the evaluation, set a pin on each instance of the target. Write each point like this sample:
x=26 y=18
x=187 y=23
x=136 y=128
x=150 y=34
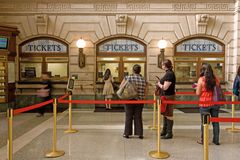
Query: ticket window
x=217 y=65
x=58 y=70
x=129 y=62
x=30 y=70
x=104 y=63
x=186 y=71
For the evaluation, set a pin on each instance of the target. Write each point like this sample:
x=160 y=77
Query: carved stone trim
x=202 y=22
x=41 y=23
x=184 y=6
x=121 y=23
x=138 y=6
x=105 y=7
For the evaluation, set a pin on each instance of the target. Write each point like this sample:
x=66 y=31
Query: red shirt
x=206 y=95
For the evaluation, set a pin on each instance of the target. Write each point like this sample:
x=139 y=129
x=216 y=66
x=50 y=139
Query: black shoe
x=216 y=143
x=125 y=136
x=167 y=136
x=140 y=137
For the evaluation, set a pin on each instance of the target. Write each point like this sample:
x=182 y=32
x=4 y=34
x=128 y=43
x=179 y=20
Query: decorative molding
x=138 y=6
x=202 y=22
x=121 y=23
x=184 y=6
x=217 y=6
x=41 y=23
x=105 y=7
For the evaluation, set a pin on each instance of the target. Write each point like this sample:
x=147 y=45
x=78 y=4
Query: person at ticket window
x=45 y=92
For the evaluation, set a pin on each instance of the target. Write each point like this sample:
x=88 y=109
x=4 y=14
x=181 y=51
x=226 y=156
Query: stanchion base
x=71 y=131
x=159 y=155
x=233 y=129
x=152 y=127
x=54 y=154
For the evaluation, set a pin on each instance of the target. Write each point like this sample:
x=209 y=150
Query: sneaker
x=140 y=137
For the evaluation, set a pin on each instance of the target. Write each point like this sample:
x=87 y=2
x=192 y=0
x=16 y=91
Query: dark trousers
x=133 y=112
x=213 y=111
x=42 y=109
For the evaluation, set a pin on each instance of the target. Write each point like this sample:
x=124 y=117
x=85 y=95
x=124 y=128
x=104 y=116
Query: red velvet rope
x=198 y=102
x=62 y=97
x=108 y=102
x=219 y=119
x=25 y=109
x=193 y=93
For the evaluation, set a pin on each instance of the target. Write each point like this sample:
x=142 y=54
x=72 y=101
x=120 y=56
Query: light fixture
x=162 y=44
x=81 y=44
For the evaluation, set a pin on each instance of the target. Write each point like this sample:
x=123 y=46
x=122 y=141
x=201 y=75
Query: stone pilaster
x=236 y=54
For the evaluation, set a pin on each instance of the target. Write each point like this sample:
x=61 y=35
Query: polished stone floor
x=99 y=137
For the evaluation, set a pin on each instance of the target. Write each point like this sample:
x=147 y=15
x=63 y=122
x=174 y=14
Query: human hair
x=238 y=71
x=168 y=64
x=136 y=69
x=209 y=77
x=202 y=70
x=107 y=74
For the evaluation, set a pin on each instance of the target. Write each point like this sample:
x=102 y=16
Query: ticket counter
x=119 y=55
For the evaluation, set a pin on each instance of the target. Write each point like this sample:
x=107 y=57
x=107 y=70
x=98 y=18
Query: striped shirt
x=139 y=82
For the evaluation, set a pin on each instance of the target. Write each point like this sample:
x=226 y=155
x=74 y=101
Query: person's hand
x=159 y=84
x=194 y=85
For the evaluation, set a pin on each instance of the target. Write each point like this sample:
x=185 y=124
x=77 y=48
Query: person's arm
x=199 y=87
x=165 y=85
x=123 y=81
x=146 y=90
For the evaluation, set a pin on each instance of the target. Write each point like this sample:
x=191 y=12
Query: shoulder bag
x=127 y=91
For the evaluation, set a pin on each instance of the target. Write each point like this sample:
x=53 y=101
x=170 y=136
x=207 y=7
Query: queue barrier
x=13 y=112
x=207 y=119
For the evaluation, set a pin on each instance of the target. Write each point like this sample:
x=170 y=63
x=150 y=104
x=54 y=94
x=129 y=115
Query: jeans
x=213 y=111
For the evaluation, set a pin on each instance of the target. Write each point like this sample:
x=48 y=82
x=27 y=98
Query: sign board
x=199 y=45
x=70 y=85
x=44 y=46
x=121 y=45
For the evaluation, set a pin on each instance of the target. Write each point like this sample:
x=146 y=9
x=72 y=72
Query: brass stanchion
x=154 y=126
x=205 y=135
x=233 y=129
x=159 y=154
x=70 y=130
x=10 y=126
x=54 y=153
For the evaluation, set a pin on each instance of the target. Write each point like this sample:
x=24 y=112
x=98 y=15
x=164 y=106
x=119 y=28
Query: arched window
x=119 y=55
x=43 y=54
x=191 y=53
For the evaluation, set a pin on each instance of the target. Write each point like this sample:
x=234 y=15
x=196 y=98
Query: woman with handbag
x=205 y=89
x=133 y=112
x=167 y=85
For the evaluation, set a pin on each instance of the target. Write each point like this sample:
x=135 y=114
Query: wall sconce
x=81 y=44
x=162 y=44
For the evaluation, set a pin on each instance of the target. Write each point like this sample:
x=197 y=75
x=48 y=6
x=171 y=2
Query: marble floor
x=99 y=137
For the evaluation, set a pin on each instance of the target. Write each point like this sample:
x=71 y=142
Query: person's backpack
x=218 y=94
